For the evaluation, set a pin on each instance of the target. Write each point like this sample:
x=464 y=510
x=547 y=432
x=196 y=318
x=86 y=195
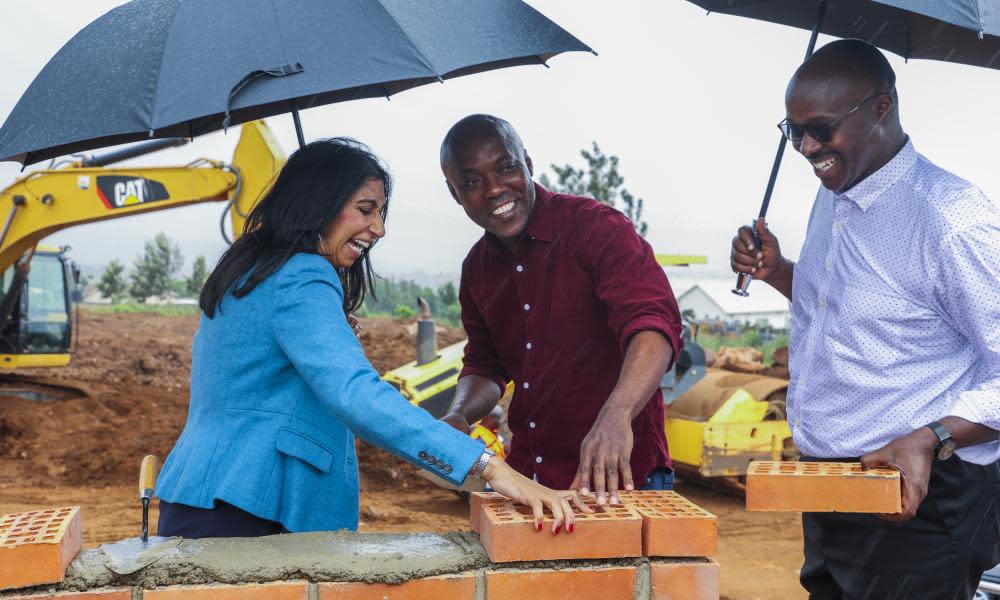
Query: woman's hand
x=508 y=482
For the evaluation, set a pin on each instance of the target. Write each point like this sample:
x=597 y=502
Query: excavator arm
x=44 y=202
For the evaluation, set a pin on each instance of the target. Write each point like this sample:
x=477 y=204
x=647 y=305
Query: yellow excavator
x=38 y=282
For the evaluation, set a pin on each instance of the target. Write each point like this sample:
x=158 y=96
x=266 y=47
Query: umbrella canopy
x=959 y=31
x=166 y=68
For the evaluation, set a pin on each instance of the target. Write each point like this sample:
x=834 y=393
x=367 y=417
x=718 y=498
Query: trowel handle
x=148 y=471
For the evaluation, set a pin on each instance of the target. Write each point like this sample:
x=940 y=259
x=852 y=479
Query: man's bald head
x=489 y=173
x=845 y=66
x=476 y=127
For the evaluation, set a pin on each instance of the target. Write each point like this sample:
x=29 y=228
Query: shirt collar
x=540 y=226
x=870 y=188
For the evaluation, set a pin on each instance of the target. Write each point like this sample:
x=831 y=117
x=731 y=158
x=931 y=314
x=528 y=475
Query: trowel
x=131 y=555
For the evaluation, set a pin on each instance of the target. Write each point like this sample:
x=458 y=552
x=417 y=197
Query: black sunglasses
x=821 y=132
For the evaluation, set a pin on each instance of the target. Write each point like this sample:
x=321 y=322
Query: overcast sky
x=687 y=101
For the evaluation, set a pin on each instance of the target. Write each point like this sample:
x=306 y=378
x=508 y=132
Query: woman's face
x=357 y=226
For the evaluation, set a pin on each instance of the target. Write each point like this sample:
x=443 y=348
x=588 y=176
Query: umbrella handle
x=743 y=279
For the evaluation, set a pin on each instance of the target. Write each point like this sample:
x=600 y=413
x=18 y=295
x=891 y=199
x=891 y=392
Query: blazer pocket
x=304 y=448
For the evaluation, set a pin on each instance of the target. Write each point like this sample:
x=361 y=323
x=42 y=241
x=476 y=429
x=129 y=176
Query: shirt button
x=531 y=424
x=526 y=385
x=829 y=265
x=527 y=307
x=528 y=345
x=519 y=268
x=822 y=303
x=538 y=459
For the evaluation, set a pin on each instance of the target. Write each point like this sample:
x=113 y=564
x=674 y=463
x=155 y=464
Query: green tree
x=154 y=270
x=199 y=273
x=446 y=294
x=113 y=283
x=600 y=181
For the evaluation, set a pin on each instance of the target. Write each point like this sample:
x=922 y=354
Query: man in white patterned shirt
x=895 y=345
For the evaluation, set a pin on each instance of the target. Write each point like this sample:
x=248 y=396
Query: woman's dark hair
x=308 y=194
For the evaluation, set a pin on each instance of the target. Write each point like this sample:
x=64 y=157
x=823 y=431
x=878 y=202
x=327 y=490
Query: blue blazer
x=279 y=387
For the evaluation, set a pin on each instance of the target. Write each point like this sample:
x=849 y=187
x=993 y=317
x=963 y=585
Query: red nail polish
x=569 y=528
x=558 y=527
x=538 y=527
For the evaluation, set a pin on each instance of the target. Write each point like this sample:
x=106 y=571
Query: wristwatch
x=946 y=444
x=477 y=470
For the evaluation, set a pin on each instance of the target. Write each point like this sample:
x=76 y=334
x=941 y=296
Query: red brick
x=685 y=580
x=37 y=546
x=672 y=525
x=476 y=499
x=822 y=487
x=611 y=583
x=461 y=586
x=508 y=533
x=285 y=590
x=125 y=594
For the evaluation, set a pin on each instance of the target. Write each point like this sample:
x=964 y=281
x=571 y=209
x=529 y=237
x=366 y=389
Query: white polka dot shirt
x=896 y=312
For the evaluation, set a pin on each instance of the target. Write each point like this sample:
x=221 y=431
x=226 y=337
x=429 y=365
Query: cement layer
x=326 y=556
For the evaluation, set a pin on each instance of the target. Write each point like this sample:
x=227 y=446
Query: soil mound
x=125 y=395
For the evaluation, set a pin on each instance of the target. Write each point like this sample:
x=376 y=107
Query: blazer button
x=439 y=463
x=448 y=469
x=422 y=455
x=431 y=459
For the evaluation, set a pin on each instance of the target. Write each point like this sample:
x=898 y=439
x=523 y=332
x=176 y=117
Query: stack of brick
x=658 y=546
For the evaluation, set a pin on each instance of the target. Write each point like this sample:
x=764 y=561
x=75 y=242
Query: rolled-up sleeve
x=309 y=326
x=968 y=290
x=629 y=281
x=481 y=357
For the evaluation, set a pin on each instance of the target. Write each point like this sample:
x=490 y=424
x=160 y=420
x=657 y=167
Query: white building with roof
x=713 y=299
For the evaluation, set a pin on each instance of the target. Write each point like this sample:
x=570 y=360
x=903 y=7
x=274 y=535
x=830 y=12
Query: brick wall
x=658 y=546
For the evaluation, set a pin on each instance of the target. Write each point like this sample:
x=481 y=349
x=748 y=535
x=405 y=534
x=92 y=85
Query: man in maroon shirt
x=563 y=297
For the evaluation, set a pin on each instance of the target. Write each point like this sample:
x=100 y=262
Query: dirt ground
x=125 y=395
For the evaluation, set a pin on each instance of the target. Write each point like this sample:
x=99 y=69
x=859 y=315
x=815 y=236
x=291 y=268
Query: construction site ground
x=125 y=395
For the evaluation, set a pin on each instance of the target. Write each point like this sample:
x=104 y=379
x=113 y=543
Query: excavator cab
x=36 y=311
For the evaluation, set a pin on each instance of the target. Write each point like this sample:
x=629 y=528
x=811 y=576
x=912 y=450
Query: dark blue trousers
x=661 y=478
x=225 y=520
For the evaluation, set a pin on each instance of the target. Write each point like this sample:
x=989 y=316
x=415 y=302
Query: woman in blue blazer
x=280 y=384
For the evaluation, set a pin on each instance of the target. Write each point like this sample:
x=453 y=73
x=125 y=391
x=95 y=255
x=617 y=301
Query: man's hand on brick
x=604 y=458
x=912 y=455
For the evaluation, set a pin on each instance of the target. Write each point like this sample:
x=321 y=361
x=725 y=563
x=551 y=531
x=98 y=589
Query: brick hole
x=49 y=537
x=29 y=540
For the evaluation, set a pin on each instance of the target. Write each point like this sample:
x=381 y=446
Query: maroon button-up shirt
x=556 y=317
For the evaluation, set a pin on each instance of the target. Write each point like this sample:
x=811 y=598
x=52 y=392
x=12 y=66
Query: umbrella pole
x=743 y=279
x=298 y=122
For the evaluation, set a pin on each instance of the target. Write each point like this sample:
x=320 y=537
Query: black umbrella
x=959 y=31
x=169 y=68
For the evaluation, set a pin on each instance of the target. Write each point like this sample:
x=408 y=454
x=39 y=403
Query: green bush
x=403 y=311
x=173 y=310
